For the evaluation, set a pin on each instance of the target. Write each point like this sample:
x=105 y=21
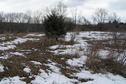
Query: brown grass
x=33 y=51
x=110 y=64
x=11 y=37
x=39 y=51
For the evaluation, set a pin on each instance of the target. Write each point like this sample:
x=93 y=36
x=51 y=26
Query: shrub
x=115 y=61
x=54 y=24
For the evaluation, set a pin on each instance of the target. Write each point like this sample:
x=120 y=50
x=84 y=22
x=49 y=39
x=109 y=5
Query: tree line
x=33 y=21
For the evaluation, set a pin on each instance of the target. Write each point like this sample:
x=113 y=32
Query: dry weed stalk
x=116 y=59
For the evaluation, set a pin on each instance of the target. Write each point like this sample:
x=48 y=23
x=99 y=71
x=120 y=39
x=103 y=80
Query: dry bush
x=114 y=67
x=119 y=46
x=115 y=62
x=101 y=65
x=94 y=61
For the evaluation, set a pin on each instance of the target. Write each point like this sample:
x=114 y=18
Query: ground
x=34 y=59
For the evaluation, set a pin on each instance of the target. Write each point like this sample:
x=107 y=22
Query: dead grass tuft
x=115 y=60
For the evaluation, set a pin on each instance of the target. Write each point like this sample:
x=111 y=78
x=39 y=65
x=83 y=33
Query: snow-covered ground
x=11 y=44
x=54 y=75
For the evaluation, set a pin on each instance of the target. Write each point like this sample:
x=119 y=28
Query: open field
x=89 y=57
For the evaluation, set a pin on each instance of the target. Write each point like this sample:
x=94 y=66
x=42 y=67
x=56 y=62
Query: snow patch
x=36 y=63
x=27 y=70
x=11 y=44
x=17 y=53
x=12 y=80
x=52 y=78
x=1 y=68
x=100 y=78
x=54 y=47
x=77 y=61
x=103 y=53
x=7 y=47
x=39 y=35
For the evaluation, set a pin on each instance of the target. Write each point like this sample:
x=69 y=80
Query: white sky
x=85 y=7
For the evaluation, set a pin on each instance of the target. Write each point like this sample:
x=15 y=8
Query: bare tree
x=114 y=17
x=1 y=20
x=9 y=17
x=85 y=21
x=28 y=17
x=74 y=13
x=14 y=17
x=1 y=16
x=37 y=17
x=100 y=15
x=61 y=8
x=19 y=17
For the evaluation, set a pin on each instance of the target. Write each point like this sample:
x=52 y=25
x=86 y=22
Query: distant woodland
x=101 y=20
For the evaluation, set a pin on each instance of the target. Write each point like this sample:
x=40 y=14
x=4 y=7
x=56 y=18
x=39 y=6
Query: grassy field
x=89 y=57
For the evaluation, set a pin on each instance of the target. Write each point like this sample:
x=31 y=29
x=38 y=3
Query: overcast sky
x=85 y=7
